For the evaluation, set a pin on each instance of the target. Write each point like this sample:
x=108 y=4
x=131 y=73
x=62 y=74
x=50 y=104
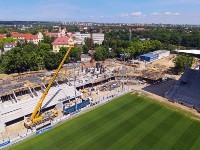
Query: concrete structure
x=98 y=38
x=18 y=97
x=24 y=106
x=186 y=90
x=62 y=42
x=152 y=56
x=85 y=58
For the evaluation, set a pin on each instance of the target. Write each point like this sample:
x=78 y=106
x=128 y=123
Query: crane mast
x=35 y=117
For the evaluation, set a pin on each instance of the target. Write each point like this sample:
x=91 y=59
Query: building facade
x=22 y=37
x=98 y=38
x=85 y=58
x=156 y=55
x=62 y=42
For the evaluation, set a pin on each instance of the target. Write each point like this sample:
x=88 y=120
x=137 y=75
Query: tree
x=181 y=62
x=85 y=49
x=75 y=53
x=8 y=35
x=48 y=39
x=44 y=46
x=16 y=61
x=51 y=60
x=6 y=40
x=101 y=54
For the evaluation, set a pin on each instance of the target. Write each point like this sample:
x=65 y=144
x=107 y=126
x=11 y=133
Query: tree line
x=30 y=57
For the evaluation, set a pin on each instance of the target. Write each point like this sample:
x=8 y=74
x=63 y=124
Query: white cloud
x=176 y=14
x=123 y=15
x=155 y=13
x=137 y=14
x=168 y=13
x=171 y=13
x=91 y=16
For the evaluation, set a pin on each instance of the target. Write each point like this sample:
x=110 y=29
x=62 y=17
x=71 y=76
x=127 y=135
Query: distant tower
x=130 y=37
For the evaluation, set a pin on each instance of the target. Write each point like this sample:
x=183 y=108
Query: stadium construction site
x=77 y=88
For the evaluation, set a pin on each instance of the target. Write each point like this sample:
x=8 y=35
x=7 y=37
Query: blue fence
x=43 y=130
x=73 y=108
x=4 y=144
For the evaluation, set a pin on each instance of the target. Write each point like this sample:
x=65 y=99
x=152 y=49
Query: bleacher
x=186 y=91
x=26 y=106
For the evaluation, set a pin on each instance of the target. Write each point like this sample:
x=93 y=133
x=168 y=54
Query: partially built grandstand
x=19 y=96
x=186 y=91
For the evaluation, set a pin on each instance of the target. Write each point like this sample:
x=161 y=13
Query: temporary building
x=148 y=57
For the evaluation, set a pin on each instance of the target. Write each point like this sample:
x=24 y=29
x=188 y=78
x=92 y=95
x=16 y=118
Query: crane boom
x=34 y=115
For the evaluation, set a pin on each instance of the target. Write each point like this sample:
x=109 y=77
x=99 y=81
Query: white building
x=98 y=38
x=85 y=58
x=161 y=53
x=8 y=47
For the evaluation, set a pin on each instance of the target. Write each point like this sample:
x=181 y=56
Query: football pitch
x=130 y=122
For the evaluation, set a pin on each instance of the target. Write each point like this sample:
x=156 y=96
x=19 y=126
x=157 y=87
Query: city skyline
x=112 y=11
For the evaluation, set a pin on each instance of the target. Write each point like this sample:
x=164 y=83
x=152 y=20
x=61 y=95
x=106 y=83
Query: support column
x=31 y=91
x=35 y=92
x=15 y=97
x=57 y=83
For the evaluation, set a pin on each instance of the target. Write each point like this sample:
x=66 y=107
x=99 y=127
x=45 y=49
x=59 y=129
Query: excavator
x=37 y=117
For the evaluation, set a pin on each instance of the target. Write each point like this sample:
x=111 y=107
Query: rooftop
x=61 y=41
x=195 y=52
x=85 y=56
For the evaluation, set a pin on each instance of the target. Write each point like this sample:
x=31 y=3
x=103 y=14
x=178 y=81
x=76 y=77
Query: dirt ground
x=164 y=63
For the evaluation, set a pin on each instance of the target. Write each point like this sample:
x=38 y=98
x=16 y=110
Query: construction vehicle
x=37 y=117
x=152 y=69
x=84 y=91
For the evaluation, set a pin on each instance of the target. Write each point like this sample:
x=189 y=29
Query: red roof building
x=22 y=37
x=59 y=42
x=50 y=34
x=2 y=36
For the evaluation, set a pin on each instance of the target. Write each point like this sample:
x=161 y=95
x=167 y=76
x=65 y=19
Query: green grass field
x=130 y=122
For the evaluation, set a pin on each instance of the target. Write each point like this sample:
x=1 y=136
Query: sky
x=108 y=11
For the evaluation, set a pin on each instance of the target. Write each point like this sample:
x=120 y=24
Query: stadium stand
x=25 y=107
x=186 y=90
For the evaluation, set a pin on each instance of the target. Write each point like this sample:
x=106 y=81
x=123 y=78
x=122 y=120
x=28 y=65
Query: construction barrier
x=43 y=130
x=2 y=145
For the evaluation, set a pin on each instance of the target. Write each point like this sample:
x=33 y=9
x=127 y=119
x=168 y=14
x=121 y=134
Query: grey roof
x=186 y=90
x=85 y=56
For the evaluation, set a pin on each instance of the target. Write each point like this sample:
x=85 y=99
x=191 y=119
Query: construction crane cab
x=37 y=117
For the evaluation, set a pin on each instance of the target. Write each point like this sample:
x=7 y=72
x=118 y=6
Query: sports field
x=130 y=122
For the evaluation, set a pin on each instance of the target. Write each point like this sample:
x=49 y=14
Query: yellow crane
x=36 y=116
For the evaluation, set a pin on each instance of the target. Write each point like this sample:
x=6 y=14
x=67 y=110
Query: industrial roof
x=148 y=55
x=195 y=52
